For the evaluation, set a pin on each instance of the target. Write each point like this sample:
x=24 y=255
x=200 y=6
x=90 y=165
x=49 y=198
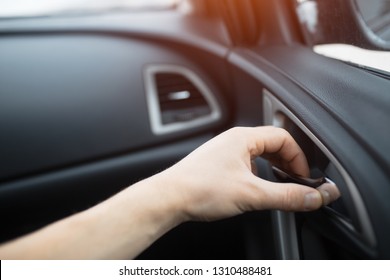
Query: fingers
x=294 y=197
x=278 y=142
x=279 y=146
x=329 y=193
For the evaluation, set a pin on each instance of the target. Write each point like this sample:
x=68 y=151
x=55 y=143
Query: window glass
x=374 y=15
x=24 y=8
x=374 y=59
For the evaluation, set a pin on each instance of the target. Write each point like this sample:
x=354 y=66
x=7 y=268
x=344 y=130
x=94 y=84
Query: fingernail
x=312 y=200
x=325 y=196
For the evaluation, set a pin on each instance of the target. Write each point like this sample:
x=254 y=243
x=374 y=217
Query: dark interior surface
x=84 y=133
x=96 y=103
x=75 y=125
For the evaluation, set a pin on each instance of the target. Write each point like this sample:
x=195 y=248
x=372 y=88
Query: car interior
x=92 y=101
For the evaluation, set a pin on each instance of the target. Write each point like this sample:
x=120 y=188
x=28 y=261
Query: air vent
x=178 y=99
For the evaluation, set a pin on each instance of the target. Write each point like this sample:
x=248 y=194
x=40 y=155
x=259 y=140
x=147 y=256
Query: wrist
x=162 y=201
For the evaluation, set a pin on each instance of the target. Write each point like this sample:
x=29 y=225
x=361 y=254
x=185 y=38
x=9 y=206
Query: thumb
x=290 y=197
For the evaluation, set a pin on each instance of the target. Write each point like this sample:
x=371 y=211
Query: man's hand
x=216 y=180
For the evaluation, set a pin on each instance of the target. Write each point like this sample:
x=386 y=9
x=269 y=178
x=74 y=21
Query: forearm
x=213 y=182
x=121 y=227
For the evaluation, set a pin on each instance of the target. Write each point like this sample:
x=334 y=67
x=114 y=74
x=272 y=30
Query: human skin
x=213 y=182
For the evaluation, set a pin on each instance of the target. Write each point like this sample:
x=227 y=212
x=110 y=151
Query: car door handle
x=285 y=177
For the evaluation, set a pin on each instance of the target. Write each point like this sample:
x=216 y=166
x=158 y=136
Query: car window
x=27 y=8
x=374 y=13
x=373 y=59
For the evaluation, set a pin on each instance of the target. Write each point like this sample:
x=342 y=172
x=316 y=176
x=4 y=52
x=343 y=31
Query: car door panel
x=25 y=202
x=329 y=99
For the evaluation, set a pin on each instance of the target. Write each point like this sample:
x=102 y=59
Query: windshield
x=27 y=8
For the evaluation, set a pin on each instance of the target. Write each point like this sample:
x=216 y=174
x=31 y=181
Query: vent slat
x=171 y=83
